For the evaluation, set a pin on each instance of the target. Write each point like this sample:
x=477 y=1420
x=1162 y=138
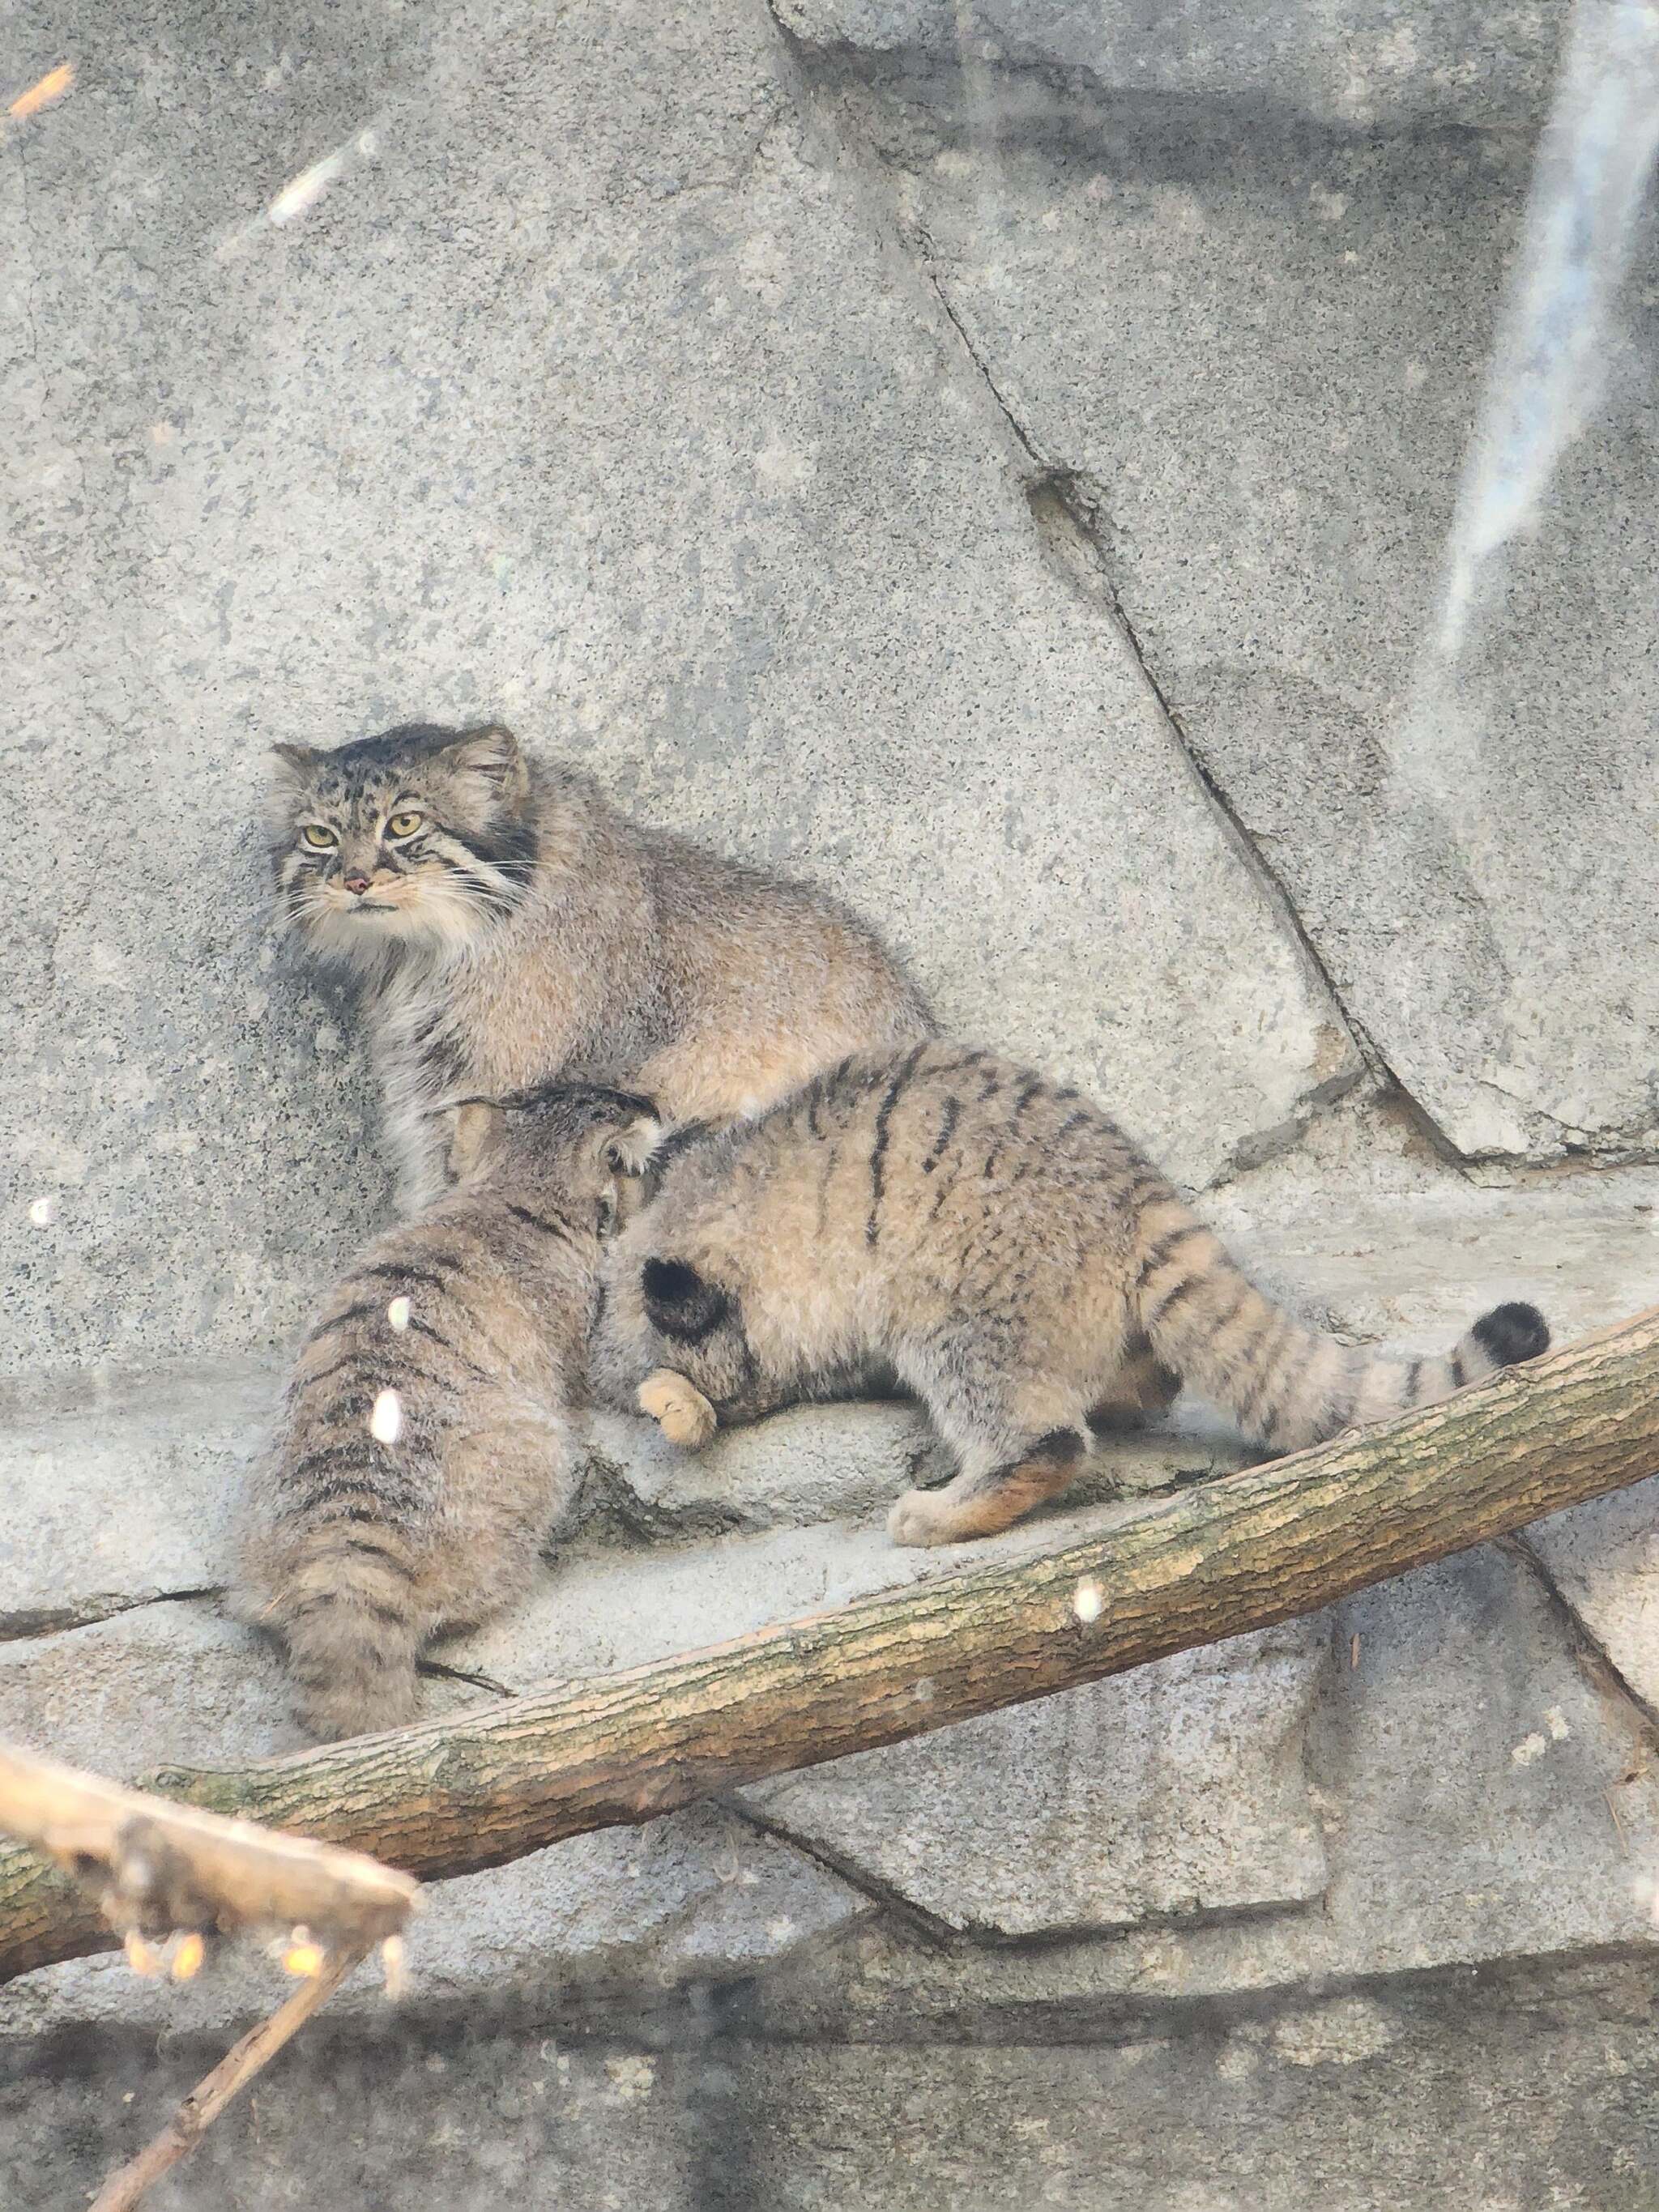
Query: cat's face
x=421 y=837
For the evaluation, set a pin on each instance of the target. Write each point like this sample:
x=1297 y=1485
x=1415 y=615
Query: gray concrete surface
x=1482 y=2095
x=1377 y=63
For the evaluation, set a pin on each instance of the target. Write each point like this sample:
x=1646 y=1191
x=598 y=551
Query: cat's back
x=444 y=1310
x=730 y=930
x=905 y=1150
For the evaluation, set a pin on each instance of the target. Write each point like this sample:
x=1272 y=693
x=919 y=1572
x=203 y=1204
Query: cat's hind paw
x=923 y=1517
x=679 y=1409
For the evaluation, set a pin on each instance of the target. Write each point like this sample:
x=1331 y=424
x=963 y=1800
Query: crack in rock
x=20 y=1624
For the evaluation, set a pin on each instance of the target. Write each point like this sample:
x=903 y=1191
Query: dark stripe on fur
x=946 y=1129
x=901 y=1075
x=561 y=1230
x=326 y=1327
x=395 y=1271
x=1163 y=1250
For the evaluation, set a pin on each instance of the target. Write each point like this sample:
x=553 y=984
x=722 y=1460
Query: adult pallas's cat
x=999 y=1245
x=423 y=1455
x=509 y=927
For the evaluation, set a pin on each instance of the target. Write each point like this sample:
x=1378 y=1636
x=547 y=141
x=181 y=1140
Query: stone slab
x=1174 y=1792
x=1603 y=1558
x=1483 y=1806
x=123 y=1495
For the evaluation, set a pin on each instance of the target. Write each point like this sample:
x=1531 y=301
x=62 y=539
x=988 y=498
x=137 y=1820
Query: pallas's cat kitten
x=510 y=927
x=998 y=1244
x=423 y=1455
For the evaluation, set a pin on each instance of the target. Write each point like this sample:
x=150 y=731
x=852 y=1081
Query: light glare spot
x=43 y=1212
x=303 y=1957
x=52 y=86
x=304 y=189
x=1088 y=1600
x=397 y=1314
x=385 y=1421
x=187 y=1959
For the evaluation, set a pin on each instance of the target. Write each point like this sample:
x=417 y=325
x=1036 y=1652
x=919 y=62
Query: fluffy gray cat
x=509 y=927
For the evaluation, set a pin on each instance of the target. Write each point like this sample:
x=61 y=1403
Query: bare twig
x=234 y=2072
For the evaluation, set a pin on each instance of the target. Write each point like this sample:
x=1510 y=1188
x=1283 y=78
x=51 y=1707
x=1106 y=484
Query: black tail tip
x=1510 y=1333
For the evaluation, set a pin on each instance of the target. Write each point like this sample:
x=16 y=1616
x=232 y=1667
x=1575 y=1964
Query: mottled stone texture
x=995 y=458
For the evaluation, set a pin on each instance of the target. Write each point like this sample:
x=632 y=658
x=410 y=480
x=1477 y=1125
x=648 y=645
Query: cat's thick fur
x=509 y=927
x=1000 y=1246
x=359 y=1543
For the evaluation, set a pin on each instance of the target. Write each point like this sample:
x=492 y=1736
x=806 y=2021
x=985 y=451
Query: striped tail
x=347 y=1614
x=1287 y=1385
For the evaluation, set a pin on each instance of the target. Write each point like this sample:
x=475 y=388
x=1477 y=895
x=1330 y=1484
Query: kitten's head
x=573 y=1152
x=422 y=837
x=680 y=1287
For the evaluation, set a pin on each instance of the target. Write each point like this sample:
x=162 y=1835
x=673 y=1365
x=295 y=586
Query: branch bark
x=455 y=1795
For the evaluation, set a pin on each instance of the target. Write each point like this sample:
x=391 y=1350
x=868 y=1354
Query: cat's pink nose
x=358 y=883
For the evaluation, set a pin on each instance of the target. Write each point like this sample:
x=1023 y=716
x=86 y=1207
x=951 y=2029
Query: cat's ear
x=474 y=1136
x=294 y=764
x=492 y=753
x=680 y=1301
x=627 y=1151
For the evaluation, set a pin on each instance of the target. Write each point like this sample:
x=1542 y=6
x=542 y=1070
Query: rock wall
x=997 y=460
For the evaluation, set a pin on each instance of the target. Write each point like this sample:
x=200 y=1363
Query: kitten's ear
x=490 y=752
x=627 y=1151
x=680 y=1301
x=295 y=762
x=474 y=1136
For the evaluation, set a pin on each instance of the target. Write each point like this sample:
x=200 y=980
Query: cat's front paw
x=678 y=1407
x=922 y=1517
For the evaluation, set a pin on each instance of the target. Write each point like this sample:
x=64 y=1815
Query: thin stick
x=210 y=2097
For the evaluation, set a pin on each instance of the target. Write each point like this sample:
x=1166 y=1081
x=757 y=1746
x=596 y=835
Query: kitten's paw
x=678 y=1407
x=922 y=1517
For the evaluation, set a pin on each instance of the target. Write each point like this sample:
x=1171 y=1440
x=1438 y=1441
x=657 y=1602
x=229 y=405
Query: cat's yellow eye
x=403 y=825
x=318 y=837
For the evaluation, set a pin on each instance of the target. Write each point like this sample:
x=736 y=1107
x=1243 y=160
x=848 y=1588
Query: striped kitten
x=423 y=1455
x=999 y=1245
x=509 y=928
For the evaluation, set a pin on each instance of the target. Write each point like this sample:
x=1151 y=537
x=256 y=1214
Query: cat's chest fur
x=537 y=1001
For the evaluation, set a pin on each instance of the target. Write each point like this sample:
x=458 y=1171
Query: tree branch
x=455 y=1795
x=150 y=1866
